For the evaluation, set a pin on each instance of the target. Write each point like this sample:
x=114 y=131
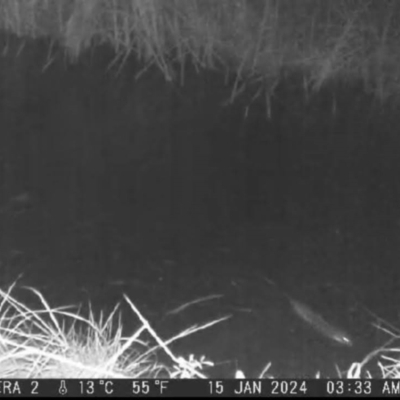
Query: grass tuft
x=59 y=343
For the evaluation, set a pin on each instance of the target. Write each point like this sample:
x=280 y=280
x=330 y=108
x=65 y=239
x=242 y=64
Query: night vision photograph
x=199 y=189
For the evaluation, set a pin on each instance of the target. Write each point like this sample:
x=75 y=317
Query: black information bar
x=199 y=388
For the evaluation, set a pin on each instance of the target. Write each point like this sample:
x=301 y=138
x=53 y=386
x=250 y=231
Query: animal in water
x=315 y=320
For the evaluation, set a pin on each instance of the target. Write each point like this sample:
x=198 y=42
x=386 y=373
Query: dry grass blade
x=163 y=345
x=183 y=307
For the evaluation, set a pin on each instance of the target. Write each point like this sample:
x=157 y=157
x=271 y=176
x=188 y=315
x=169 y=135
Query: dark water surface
x=342 y=276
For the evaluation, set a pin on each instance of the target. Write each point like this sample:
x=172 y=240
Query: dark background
x=116 y=181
